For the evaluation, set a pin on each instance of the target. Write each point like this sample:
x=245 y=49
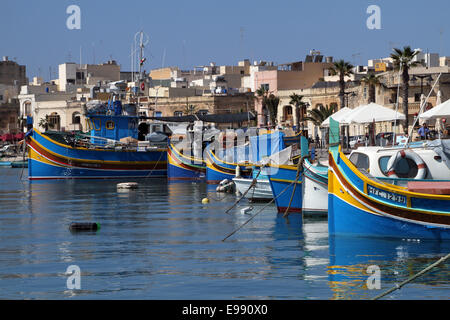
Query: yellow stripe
x=184 y=156
x=284 y=180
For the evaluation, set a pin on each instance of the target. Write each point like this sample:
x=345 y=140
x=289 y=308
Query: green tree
x=269 y=101
x=300 y=108
x=43 y=123
x=372 y=81
x=189 y=109
x=320 y=114
x=403 y=60
x=343 y=69
x=272 y=102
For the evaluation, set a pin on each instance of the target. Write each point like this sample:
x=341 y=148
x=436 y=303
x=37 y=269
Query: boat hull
x=261 y=191
x=285 y=185
x=315 y=190
x=218 y=170
x=49 y=159
x=182 y=168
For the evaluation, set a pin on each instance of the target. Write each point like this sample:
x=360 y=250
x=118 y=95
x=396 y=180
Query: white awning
x=372 y=112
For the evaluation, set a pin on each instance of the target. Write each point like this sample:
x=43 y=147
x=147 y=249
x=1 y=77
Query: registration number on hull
x=386 y=195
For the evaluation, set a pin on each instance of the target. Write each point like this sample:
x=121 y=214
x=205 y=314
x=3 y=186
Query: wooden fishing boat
x=110 y=151
x=184 y=167
x=360 y=204
x=300 y=188
x=218 y=169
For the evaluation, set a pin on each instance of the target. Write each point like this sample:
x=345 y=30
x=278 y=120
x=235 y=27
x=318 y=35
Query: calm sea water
x=160 y=242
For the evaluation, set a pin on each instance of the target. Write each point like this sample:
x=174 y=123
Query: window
x=265 y=86
x=109 y=125
x=382 y=162
x=360 y=160
x=417 y=97
x=202 y=112
x=1 y=97
x=76 y=118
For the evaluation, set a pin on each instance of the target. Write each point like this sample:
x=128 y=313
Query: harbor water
x=160 y=242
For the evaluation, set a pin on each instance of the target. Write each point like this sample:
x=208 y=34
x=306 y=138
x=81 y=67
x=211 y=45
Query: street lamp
x=421 y=77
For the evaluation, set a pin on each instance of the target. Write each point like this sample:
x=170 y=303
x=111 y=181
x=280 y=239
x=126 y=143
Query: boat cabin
x=415 y=163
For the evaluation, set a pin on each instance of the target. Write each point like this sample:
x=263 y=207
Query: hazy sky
x=197 y=32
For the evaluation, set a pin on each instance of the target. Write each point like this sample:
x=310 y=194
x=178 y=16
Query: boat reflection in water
x=398 y=260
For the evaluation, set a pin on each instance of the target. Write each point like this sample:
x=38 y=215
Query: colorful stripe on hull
x=48 y=160
x=180 y=167
x=218 y=170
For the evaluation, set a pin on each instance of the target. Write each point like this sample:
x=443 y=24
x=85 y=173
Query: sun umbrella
x=337 y=116
x=440 y=111
x=372 y=112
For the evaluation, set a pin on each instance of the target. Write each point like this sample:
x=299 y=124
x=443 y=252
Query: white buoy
x=127 y=185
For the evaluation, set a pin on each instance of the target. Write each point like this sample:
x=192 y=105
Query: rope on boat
x=154 y=167
x=251 y=218
x=252 y=185
x=297 y=176
x=398 y=286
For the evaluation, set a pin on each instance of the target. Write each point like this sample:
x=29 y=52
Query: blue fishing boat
x=360 y=204
x=300 y=188
x=218 y=168
x=264 y=148
x=184 y=167
x=111 y=150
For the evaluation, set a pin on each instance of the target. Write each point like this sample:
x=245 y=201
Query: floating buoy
x=246 y=210
x=84 y=226
x=205 y=200
x=127 y=185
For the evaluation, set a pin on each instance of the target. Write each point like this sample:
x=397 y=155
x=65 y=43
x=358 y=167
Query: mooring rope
x=398 y=286
x=253 y=184
x=297 y=176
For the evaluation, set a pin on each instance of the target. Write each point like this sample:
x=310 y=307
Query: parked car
x=360 y=140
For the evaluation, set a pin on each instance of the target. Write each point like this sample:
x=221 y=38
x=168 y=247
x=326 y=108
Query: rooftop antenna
x=140 y=41
x=441 y=33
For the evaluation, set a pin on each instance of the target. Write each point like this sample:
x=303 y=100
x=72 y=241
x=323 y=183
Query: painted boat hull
x=180 y=167
x=315 y=190
x=284 y=185
x=358 y=205
x=261 y=191
x=49 y=159
x=218 y=170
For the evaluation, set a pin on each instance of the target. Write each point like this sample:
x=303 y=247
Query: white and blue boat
x=363 y=205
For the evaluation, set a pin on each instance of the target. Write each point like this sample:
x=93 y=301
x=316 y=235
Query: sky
x=196 y=32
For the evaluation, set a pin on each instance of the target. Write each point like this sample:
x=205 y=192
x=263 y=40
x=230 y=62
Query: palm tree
x=403 y=60
x=261 y=94
x=372 y=81
x=320 y=114
x=189 y=109
x=296 y=100
x=343 y=69
x=272 y=102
